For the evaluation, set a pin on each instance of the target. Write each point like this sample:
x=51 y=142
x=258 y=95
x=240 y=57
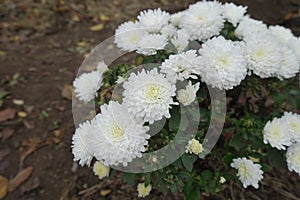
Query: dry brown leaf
x=20 y=178
x=105 y=192
x=97 y=27
x=3 y=186
x=58 y=135
x=67 y=92
x=7 y=114
x=28 y=124
x=30 y=185
x=29 y=109
x=28 y=147
x=6 y=133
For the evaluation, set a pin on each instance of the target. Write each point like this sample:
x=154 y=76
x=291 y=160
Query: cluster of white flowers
x=222 y=63
x=119 y=133
x=248 y=172
x=285 y=132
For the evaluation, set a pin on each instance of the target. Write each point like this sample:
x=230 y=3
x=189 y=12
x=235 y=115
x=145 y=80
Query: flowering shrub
x=144 y=106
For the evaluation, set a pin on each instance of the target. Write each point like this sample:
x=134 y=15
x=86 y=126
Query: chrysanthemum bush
x=208 y=45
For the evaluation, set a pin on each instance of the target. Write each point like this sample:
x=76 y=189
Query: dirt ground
x=42 y=45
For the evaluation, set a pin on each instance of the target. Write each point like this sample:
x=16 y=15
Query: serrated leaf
x=129 y=178
x=194 y=194
x=236 y=141
x=188 y=161
x=207 y=175
x=276 y=158
x=174 y=121
x=228 y=158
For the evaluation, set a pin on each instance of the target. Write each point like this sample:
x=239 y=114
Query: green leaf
x=276 y=158
x=188 y=161
x=3 y=94
x=236 y=141
x=147 y=181
x=207 y=175
x=228 y=158
x=174 y=121
x=194 y=194
x=129 y=178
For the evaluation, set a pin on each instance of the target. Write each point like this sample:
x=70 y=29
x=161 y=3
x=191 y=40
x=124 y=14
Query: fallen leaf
x=104 y=18
x=28 y=124
x=6 y=133
x=97 y=27
x=29 y=109
x=18 y=102
x=20 y=178
x=4 y=152
x=22 y=114
x=58 y=135
x=105 y=192
x=3 y=186
x=7 y=114
x=67 y=92
x=30 y=185
x=28 y=146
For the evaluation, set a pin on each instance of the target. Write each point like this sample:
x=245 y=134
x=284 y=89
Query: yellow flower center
x=223 y=62
x=260 y=54
x=117 y=132
x=276 y=133
x=154 y=92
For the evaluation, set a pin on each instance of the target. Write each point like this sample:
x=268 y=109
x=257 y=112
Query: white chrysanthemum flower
x=101 y=170
x=128 y=35
x=118 y=138
x=222 y=63
x=169 y=30
x=249 y=27
x=275 y=133
x=264 y=54
x=181 y=66
x=148 y=95
x=87 y=84
x=281 y=33
x=233 y=13
x=293 y=123
x=176 y=17
x=153 y=20
x=102 y=67
x=150 y=43
x=143 y=191
x=203 y=20
x=290 y=64
x=194 y=147
x=293 y=158
x=80 y=146
x=248 y=172
x=188 y=95
x=181 y=40
x=294 y=43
